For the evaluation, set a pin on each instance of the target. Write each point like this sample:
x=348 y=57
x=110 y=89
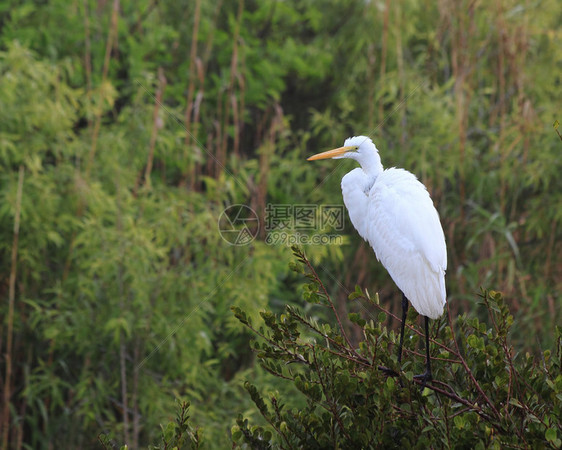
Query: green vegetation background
x=127 y=127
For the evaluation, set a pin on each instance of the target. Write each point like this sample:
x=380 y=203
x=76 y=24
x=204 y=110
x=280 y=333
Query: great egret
x=393 y=211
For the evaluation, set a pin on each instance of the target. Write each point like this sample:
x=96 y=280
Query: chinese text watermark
x=284 y=224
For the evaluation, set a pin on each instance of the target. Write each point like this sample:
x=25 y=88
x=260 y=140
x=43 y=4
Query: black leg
x=427 y=357
x=427 y=375
x=404 y=314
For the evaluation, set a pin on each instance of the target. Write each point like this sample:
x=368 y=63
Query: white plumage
x=393 y=211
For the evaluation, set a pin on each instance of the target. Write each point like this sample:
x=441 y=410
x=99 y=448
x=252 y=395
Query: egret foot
x=388 y=372
x=424 y=378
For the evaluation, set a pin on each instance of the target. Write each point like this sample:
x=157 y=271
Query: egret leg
x=427 y=375
x=404 y=314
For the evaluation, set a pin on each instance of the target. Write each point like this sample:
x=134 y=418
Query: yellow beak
x=332 y=153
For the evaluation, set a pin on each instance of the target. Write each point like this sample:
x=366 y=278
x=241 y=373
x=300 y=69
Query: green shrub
x=484 y=395
x=175 y=435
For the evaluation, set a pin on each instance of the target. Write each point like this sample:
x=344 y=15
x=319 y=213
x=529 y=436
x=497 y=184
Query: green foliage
x=484 y=395
x=137 y=122
x=177 y=435
x=180 y=434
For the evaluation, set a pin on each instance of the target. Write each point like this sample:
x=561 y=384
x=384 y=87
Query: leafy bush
x=483 y=395
x=177 y=434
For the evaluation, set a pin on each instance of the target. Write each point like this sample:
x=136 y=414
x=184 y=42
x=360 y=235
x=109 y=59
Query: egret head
x=359 y=148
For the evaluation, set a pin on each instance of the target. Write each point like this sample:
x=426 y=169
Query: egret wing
x=406 y=234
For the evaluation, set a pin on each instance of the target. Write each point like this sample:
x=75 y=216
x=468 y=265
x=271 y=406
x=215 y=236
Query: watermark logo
x=284 y=224
x=296 y=238
x=239 y=225
x=303 y=224
x=304 y=217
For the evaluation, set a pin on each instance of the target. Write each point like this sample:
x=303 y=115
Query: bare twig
x=329 y=400
x=190 y=174
x=155 y=125
x=111 y=37
x=10 y=318
x=221 y=154
x=122 y=307
x=467 y=369
x=87 y=50
x=325 y=292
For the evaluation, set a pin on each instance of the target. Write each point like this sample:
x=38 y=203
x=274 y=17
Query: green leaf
x=356 y=294
x=459 y=422
x=550 y=434
x=236 y=433
x=357 y=319
x=390 y=383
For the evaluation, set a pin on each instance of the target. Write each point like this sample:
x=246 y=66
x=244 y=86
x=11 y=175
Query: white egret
x=393 y=211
